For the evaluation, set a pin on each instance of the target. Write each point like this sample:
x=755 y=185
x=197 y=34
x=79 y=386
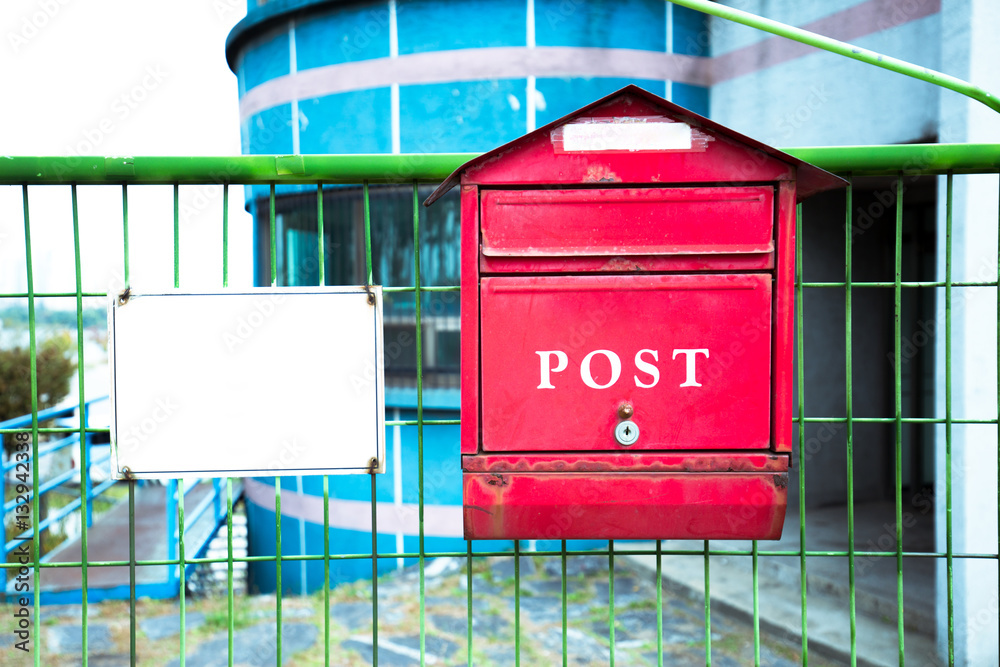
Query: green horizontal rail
x=310 y=169
x=455 y=422
x=242 y=169
x=391 y=556
x=911 y=159
x=844 y=49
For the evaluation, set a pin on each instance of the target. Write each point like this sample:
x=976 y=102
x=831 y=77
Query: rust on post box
x=626 y=322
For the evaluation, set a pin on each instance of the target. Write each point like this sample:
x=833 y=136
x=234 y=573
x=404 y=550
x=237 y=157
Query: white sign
x=276 y=381
x=612 y=135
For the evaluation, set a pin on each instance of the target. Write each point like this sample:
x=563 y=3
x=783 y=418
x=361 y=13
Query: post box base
x=625 y=505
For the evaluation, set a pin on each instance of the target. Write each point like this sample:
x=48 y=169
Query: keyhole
x=626 y=433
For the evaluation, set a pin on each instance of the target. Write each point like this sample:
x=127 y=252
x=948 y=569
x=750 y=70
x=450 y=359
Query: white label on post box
x=278 y=381
x=612 y=135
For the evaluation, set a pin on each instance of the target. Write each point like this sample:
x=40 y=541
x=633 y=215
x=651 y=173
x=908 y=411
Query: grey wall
x=823 y=99
x=872 y=334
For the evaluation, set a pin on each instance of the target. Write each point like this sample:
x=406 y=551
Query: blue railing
x=214 y=501
x=88 y=492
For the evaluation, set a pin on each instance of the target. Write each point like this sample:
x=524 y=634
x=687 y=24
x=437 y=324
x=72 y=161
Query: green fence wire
x=945 y=161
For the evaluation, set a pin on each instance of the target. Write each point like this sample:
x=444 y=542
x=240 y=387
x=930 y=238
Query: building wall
x=428 y=76
x=414 y=76
x=417 y=75
x=970 y=51
x=420 y=76
x=787 y=94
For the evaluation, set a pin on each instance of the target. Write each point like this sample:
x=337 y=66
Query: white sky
x=119 y=77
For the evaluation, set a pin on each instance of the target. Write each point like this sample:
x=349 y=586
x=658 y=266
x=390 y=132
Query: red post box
x=627 y=294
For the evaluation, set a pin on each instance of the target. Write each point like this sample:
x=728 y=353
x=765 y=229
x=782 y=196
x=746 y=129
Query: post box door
x=689 y=354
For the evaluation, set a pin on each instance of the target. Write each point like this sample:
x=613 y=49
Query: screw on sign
x=629 y=200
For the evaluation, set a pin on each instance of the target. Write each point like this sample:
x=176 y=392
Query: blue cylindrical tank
x=414 y=76
x=425 y=76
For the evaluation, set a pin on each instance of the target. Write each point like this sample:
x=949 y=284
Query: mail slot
x=627 y=300
x=633 y=221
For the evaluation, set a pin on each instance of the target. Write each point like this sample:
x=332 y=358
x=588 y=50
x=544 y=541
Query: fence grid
x=321 y=172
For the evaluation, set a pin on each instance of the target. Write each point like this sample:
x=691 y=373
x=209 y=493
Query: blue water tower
x=413 y=76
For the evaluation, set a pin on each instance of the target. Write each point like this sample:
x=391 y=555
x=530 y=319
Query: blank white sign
x=613 y=135
x=277 y=381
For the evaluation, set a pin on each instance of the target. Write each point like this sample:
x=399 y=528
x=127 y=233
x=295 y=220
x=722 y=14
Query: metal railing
x=178 y=523
x=70 y=436
x=902 y=162
x=210 y=505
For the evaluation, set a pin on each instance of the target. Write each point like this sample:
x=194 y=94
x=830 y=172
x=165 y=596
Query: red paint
x=627 y=263
x=724 y=160
x=650 y=285
x=528 y=322
x=624 y=505
x=624 y=460
x=469 y=322
x=783 y=345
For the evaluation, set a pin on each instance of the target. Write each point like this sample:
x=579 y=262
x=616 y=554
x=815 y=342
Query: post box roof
x=633 y=136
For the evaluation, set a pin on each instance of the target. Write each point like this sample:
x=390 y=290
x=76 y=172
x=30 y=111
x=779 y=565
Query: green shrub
x=55 y=366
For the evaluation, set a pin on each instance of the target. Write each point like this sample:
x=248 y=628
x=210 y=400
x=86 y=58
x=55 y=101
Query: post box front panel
x=690 y=355
x=627 y=221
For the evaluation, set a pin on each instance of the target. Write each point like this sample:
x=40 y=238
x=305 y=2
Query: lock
x=626 y=433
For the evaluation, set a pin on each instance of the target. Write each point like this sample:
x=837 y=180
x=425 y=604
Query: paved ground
x=541 y=619
x=828 y=603
x=445 y=614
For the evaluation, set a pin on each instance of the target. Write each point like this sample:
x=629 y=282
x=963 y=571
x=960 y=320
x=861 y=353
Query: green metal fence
x=903 y=164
